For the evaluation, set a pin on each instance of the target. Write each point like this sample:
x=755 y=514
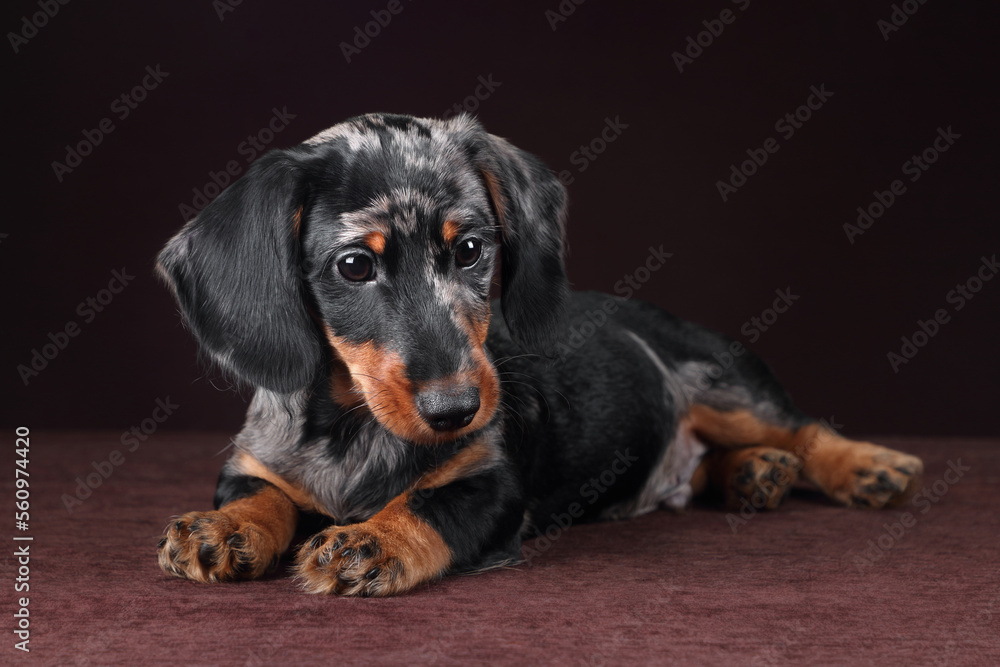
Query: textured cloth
x=803 y=584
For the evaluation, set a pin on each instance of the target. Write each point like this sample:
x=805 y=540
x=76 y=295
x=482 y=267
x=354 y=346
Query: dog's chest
x=348 y=478
x=352 y=485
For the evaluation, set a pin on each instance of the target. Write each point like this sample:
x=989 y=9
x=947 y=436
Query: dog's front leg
x=464 y=515
x=243 y=539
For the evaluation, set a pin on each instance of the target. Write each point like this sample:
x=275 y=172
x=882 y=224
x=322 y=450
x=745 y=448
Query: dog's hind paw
x=861 y=474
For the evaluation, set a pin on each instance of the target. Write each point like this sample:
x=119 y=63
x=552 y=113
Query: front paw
x=213 y=547
x=350 y=560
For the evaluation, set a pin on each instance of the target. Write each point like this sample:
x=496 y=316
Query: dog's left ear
x=530 y=204
x=235 y=272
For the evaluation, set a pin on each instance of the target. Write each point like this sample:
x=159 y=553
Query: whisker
x=540 y=394
x=514 y=413
x=503 y=360
x=561 y=395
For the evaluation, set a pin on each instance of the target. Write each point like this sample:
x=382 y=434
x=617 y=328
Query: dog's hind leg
x=856 y=474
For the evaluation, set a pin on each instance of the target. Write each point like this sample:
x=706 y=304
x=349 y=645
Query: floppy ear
x=530 y=203
x=234 y=271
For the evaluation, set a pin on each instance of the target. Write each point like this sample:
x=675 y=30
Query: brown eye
x=356 y=268
x=468 y=253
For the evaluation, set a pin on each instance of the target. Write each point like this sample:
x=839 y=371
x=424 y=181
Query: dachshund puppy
x=347 y=281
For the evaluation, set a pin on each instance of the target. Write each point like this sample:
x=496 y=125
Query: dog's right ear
x=530 y=205
x=235 y=272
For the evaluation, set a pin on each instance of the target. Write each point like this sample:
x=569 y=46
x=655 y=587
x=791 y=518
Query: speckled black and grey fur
x=255 y=275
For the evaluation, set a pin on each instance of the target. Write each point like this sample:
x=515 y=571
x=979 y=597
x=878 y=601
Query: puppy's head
x=366 y=254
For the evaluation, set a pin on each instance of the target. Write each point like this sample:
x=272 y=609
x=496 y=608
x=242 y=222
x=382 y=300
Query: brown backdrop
x=555 y=78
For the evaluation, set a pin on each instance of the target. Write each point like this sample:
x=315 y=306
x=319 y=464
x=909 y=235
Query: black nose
x=447 y=411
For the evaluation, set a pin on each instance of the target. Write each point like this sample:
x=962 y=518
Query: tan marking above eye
x=375 y=241
x=449 y=231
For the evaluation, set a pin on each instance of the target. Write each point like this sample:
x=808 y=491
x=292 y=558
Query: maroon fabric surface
x=785 y=587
